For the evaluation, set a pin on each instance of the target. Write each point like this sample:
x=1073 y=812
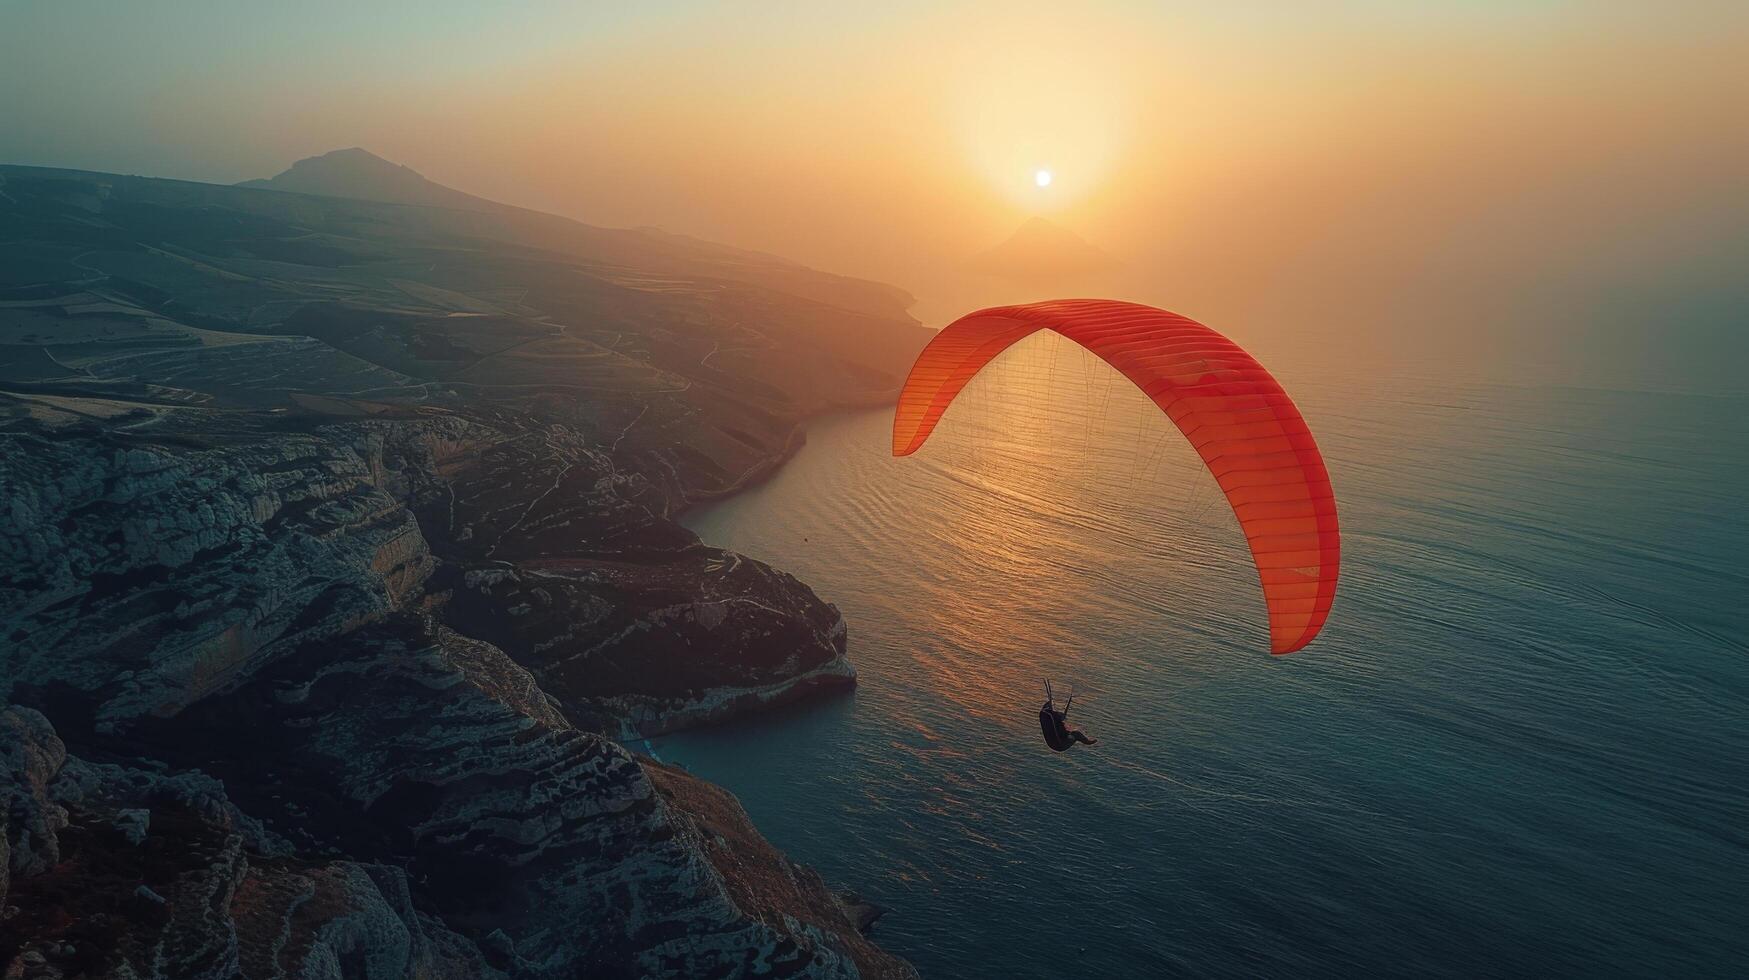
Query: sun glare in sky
x=1394 y=161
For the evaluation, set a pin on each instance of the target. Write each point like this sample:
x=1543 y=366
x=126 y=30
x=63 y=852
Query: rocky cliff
x=554 y=852
x=336 y=547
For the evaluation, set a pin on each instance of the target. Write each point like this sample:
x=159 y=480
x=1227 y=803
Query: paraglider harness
x=1054 y=722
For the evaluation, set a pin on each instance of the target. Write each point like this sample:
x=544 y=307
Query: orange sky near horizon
x=1484 y=167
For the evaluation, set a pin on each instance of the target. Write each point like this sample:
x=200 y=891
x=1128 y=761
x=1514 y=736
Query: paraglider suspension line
x=1051 y=698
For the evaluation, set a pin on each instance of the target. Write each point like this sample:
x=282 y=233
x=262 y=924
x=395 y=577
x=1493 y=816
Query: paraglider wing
x=1238 y=418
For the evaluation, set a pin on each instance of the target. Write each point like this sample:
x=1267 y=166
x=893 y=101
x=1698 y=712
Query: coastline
x=647 y=718
x=793 y=443
x=360 y=612
x=644 y=720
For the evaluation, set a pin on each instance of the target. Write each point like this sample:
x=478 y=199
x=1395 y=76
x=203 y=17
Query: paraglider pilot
x=1058 y=734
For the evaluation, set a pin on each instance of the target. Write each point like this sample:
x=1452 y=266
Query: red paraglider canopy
x=1238 y=418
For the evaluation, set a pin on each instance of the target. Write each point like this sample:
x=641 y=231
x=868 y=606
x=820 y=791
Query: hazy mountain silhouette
x=361 y=174
x=326 y=412
x=358 y=174
x=1041 y=248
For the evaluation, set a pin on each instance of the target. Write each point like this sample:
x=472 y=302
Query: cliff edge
x=336 y=549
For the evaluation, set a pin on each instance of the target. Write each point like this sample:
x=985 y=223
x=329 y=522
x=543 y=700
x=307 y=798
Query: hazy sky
x=1412 y=171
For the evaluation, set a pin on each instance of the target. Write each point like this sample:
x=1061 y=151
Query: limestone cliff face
x=754 y=875
x=336 y=546
x=331 y=764
x=140 y=573
x=146 y=578
x=458 y=796
x=647 y=648
x=157 y=874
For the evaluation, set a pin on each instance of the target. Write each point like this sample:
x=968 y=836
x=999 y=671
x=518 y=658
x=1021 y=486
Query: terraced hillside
x=365 y=507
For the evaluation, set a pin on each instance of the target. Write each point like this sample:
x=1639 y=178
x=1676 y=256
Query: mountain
x=338 y=557
x=361 y=175
x=1040 y=248
x=358 y=173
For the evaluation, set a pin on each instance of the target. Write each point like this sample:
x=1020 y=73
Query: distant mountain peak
x=1041 y=247
x=355 y=159
x=355 y=172
x=349 y=153
x=358 y=174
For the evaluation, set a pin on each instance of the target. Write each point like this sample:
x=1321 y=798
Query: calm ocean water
x=1521 y=746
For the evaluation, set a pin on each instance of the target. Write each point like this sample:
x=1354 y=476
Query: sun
x=1042 y=178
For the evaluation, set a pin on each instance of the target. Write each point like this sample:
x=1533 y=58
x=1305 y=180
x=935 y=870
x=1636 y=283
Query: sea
x=1519 y=748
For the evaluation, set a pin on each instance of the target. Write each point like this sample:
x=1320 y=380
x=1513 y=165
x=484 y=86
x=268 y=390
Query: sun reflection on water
x=1054 y=479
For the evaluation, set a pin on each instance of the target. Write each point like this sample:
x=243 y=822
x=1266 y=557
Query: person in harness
x=1058 y=734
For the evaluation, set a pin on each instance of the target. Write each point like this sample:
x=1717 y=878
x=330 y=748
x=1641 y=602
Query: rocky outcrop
x=756 y=876
x=547 y=837
x=155 y=873
x=32 y=757
x=336 y=541
x=642 y=648
x=143 y=570
x=457 y=797
x=146 y=578
x=372 y=785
